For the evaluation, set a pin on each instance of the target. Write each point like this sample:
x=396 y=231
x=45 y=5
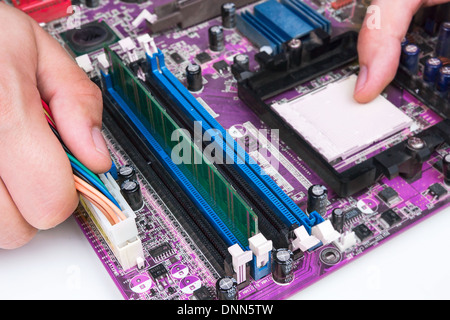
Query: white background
x=60 y=264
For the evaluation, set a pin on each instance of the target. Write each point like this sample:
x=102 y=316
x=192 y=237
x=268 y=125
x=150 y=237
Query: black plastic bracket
x=336 y=53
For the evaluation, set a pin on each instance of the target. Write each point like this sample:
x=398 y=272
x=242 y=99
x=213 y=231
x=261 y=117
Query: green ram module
x=203 y=175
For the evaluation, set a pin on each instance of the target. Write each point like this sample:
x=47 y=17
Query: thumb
x=379 y=45
x=75 y=102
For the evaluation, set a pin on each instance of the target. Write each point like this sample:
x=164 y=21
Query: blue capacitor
x=443 y=82
x=431 y=71
x=410 y=58
x=443 y=42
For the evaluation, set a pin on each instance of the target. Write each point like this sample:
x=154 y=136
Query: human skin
x=379 y=49
x=37 y=189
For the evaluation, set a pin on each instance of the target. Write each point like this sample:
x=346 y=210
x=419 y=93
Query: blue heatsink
x=273 y=23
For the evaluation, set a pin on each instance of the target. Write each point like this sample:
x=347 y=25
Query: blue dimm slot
x=169 y=81
x=174 y=171
x=290 y=213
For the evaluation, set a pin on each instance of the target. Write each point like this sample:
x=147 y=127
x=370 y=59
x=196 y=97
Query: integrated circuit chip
x=352 y=213
x=390 y=218
x=177 y=58
x=161 y=251
x=362 y=232
x=314 y=117
x=158 y=271
x=220 y=66
x=89 y=37
x=388 y=195
x=203 y=57
x=202 y=293
x=437 y=190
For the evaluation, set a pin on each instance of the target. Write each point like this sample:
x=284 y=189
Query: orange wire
x=110 y=210
x=99 y=207
x=99 y=196
x=100 y=202
x=109 y=207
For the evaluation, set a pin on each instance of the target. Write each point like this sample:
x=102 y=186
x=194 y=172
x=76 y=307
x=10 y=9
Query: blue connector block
x=274 y=23
x=259 y=273
x=113 y=171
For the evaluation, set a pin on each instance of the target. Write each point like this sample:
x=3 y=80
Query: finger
x=33 y=165
x=75 y=101
x=434 y=2
x=379 y=45
x=15 y=231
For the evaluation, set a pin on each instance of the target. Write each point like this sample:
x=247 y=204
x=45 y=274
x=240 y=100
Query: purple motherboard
x=188 y=268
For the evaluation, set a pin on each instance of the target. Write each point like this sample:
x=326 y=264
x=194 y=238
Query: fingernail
x=362 y=79
x=99 y=142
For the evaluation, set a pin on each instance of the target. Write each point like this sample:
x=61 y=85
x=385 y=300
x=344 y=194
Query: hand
x=380 y=48
x=37 y=188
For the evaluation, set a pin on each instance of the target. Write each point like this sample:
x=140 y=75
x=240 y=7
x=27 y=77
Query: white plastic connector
x=145 y=15
x=103 y=62
x=148 y=43
x=122 y=237
x=140 y=262
x=128 y=45
x=325 y=232
x=346 y=241
x=84 y=62
x=261 y=247
x=239 y=261
x=303 y=240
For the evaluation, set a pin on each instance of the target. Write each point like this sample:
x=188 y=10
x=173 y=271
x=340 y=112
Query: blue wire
x=95 y=184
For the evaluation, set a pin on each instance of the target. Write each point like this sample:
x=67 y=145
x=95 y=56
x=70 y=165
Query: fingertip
x=78 y=117
x=360 y=94
x=105 y=162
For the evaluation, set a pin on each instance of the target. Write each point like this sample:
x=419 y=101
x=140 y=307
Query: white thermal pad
x=336 y=125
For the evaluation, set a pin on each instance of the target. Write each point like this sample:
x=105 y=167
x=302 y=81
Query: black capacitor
x=412 y=169
x=132 y=193
x=92 y=3
x=317 y=199
x=194 y=77
x=446 y=169
x=228 y=15
x=216 y=38
x=282 y=266
x=126 y=173
x=338 y=219
x=242 y=60
x=226 y=289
